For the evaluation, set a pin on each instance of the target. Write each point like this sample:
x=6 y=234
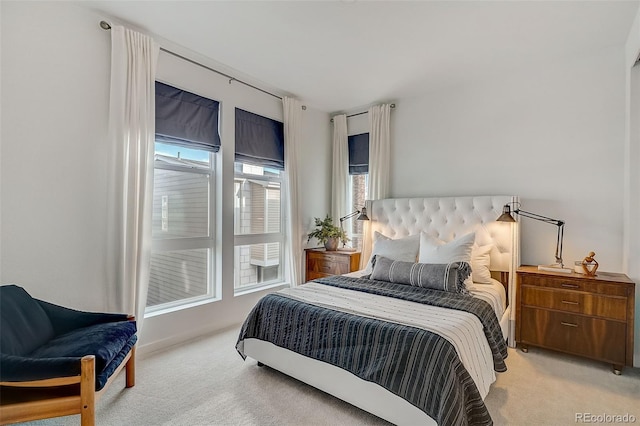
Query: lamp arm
x=559 y=244
x=539 y=217
x=557 y=222
x=350 y=215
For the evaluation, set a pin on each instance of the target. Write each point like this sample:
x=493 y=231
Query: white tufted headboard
x=446 y=218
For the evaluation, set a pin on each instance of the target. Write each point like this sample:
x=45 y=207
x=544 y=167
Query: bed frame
x=445 y=218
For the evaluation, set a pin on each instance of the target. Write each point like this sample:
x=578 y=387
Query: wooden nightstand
x=573 y=313
x=322 y=263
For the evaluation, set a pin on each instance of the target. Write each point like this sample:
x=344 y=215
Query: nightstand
x=322 y=263
x=576 y=314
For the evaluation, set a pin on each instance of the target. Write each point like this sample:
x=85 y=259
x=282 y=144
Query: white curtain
x=130 y=195
x=379 y=164
x=292 y=138
x=379 y=151
x=340 y=170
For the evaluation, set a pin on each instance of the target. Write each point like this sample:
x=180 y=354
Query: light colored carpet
x=205 y=382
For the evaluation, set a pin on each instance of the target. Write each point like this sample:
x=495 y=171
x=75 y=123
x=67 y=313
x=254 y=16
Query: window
x=258 y=220
x=358 y=189
x=183 y=247
x=358 y=183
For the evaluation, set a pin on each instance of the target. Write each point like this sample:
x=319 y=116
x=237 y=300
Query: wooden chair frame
x=60 y=396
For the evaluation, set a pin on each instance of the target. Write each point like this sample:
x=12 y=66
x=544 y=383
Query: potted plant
x=327 y=233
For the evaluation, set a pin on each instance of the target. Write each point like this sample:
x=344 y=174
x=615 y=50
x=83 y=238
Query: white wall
x=632 y=171
x=55 y=74
x=55 y=99
x=552 y=134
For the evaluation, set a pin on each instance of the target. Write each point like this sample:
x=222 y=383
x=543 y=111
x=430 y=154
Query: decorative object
x=577 y=267
x=363 y=216
x=327 y=233
x=590 y=265
x=506 y=217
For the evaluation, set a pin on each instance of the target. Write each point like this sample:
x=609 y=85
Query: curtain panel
x=379 y=151
x=379 y=162
x=295 y=234
x=130 y=190
x=186 y=119
x=340 y=169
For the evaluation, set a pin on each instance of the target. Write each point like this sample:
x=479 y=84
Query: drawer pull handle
x=570 y=285
x=568 y=324
x=569 y=302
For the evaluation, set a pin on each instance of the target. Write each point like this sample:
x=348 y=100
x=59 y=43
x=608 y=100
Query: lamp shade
x=363 y=214
x=506 y=214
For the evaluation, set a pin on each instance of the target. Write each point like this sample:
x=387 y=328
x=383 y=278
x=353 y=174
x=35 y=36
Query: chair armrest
x=18 y=368
x=65 y=320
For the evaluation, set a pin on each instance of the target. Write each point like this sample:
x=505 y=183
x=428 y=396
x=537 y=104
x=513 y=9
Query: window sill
x=181 y=307
x=243 y=292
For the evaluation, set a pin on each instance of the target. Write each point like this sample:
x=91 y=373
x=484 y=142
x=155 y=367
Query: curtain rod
x=364 y=112
x=107 y=26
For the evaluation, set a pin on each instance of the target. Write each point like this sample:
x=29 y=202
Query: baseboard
x=148 y=349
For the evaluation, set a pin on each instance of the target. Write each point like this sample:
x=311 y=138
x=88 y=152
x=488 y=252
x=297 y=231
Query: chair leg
x=130 y=369
x=88 y=391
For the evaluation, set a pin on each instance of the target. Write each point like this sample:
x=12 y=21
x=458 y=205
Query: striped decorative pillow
x=445 y=277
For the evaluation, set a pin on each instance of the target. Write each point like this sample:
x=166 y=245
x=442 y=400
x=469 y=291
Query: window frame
x=356 y=206
x=191 y=243
x=260 y=238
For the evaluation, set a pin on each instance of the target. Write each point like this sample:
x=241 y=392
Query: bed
x=407 y=354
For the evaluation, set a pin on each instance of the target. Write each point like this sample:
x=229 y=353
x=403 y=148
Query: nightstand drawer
x=589 y=285
x=328 y=259
x=592 y=337
x=330 y=266
x=575 y=301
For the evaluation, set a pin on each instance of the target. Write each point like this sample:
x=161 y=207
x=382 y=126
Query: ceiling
x=344 y=55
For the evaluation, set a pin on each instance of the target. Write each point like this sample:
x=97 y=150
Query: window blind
x=259 y=140
x=186 y=119
x=358 y=154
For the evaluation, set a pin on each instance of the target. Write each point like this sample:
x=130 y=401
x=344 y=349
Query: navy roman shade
x=186 y=119
x=359 y=154
x=259 y=140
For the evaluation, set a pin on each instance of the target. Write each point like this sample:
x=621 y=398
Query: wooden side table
x=322 y=263
x=577 y=314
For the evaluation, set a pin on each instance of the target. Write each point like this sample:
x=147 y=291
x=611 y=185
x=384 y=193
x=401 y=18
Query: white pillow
x=433 y=250
x=403 y=249
x=480 y=263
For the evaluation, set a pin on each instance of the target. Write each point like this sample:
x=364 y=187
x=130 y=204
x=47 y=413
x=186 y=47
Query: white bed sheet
x=493 y=293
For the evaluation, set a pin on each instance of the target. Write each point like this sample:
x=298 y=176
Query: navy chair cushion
x=65 y=320
x=24 y=325
x=105 y=341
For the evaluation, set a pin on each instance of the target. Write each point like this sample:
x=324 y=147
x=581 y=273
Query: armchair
x=56 y=361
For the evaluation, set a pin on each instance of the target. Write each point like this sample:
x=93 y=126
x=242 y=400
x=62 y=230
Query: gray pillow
x=445 y=277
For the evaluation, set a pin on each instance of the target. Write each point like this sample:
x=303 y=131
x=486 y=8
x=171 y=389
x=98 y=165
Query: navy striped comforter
x=420 y=366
